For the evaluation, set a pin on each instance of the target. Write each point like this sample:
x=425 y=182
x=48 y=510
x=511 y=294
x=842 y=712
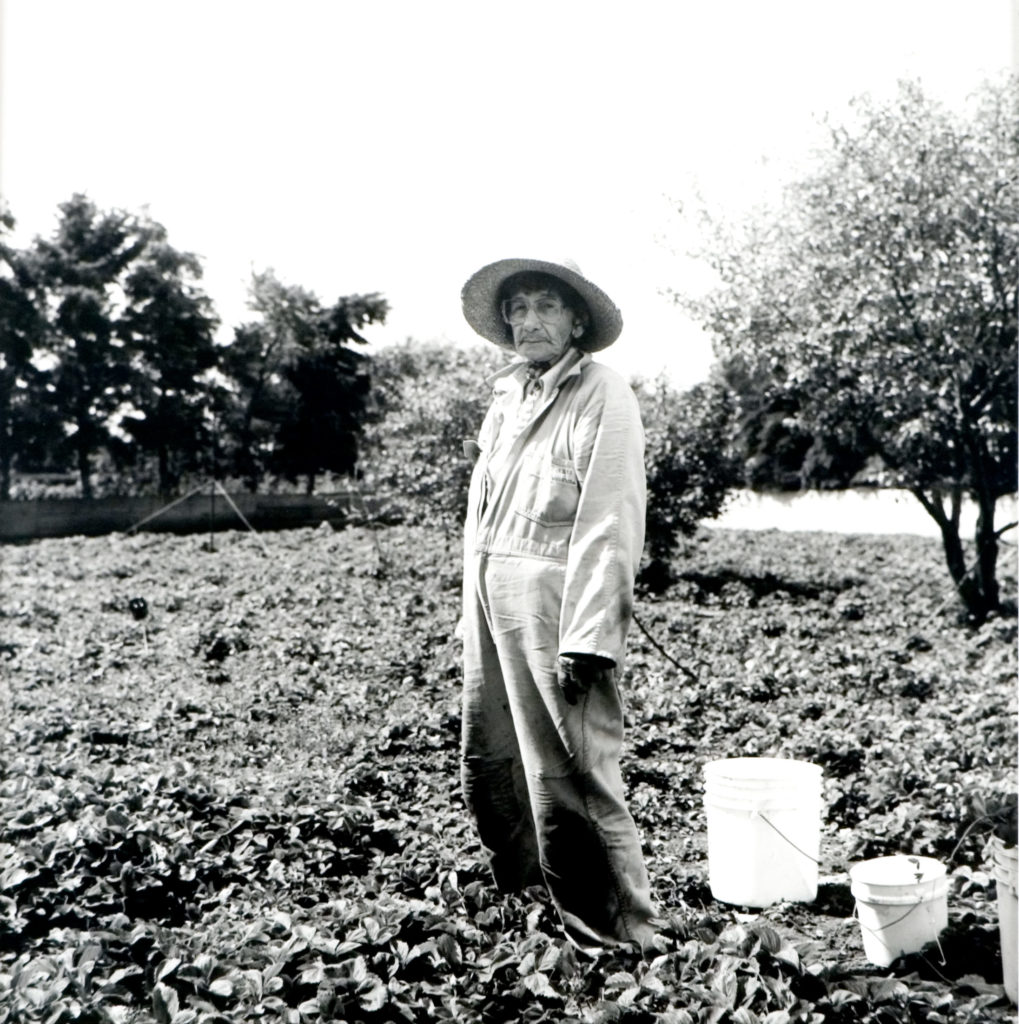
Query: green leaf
x=726 y=985
x=770 y=938
x=357 y=970
x=788 y=955
x=671 y=1016
x=14 y=877
x=842 y=996
x=165 y=1003
x=742 y=1015
x=426 y=949
x=550 y=959
x=375 y=998
x=608 y=1012
x=312 y=975
x=619 y=980
x=776 y=1017
x=888 y=989
x=117 y=819
x=450 y=950
x=539 y=985
x=254 y=983
x=223 y=987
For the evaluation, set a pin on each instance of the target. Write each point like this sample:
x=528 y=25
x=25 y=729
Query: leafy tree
x=879 y=304
x=168 y=328
x=299 y=391
x=778 y=451
x=79 y=273
x=20 y=334
x=427 y=397
x=691 y=467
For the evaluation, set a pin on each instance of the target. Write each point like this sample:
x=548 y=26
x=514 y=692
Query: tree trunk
x=246 y=456
x=6 y=454
x=976 y=586
x=84 y=469
x=986 y=566
x=309 y=487
x=84 y=436
x=163 y=458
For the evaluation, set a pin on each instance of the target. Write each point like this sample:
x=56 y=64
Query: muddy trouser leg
x=591 y=857
x=588 y=844
x=491 y=772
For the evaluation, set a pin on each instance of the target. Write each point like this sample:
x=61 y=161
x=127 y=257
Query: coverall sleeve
x=608 y=535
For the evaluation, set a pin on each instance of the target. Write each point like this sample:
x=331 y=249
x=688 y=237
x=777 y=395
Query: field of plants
x=229 y=784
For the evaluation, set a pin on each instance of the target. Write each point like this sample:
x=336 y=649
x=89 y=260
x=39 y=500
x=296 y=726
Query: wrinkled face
x=543 y=325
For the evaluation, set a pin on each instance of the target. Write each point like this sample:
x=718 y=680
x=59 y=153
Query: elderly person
x=554 y=533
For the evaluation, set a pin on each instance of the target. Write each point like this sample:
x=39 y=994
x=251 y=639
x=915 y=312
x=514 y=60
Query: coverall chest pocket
x=549 y=491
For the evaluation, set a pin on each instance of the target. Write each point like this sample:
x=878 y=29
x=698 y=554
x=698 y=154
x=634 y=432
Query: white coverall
x=553 y=537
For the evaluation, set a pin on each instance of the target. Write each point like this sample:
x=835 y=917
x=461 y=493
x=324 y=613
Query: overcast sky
x=395 y=147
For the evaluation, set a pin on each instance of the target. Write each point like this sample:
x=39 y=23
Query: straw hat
x=480 y=300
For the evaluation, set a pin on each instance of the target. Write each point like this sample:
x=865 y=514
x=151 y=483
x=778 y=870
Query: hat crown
x=552 y=268
x=479 y=298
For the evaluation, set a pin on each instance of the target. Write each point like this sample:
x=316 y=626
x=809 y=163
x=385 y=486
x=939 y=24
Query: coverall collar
x=572 y=362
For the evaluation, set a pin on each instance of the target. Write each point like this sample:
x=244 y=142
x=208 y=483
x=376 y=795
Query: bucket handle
x=772 y=825
x=877 y=931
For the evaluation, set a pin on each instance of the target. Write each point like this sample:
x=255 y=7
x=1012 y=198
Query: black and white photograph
x=508 y=512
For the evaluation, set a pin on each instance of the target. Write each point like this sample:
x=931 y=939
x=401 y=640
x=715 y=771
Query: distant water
x=854 y=511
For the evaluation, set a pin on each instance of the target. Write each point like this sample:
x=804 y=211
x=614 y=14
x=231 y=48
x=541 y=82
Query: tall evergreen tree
x=80 y=271
x=21 y=333
x=168 y=327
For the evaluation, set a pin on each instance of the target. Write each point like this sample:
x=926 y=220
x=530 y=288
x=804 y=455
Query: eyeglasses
x=547 y=310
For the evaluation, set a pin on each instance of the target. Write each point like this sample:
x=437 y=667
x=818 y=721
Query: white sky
x=397 y=146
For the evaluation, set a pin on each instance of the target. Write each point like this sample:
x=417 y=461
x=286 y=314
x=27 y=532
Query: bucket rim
x=785 y=767
x=930 y=891
x=873 y=873
x=999 y=851
x=1005 y=872
x=716 y=802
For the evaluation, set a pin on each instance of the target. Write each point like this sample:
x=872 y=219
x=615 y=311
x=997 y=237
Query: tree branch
x=935 y=508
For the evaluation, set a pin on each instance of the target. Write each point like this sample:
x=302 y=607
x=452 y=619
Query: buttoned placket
x=532 y=394
x=506 y=438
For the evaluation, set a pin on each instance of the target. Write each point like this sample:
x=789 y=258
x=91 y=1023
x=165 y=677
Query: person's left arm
x=608 y=534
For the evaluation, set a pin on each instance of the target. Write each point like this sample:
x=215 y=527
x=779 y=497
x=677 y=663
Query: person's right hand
x=577 y=673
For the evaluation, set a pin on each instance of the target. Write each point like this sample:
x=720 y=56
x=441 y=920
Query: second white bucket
x=1006 y=877
x=902 y=904
x=764 y=829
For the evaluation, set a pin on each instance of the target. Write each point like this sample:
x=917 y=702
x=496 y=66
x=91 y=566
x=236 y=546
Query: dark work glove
x=577 y=673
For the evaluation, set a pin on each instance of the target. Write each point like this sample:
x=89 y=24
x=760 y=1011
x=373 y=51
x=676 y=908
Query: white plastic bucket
x=1006 y=876
x=902 y=904
x=764 y=829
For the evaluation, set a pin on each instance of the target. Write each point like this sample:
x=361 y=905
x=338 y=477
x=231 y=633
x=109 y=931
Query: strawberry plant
x=250 y=810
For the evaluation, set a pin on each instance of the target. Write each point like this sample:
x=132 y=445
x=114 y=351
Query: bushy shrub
x=691 y=466
x=427 y=398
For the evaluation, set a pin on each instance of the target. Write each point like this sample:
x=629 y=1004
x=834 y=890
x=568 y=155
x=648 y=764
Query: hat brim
x=479 y=299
